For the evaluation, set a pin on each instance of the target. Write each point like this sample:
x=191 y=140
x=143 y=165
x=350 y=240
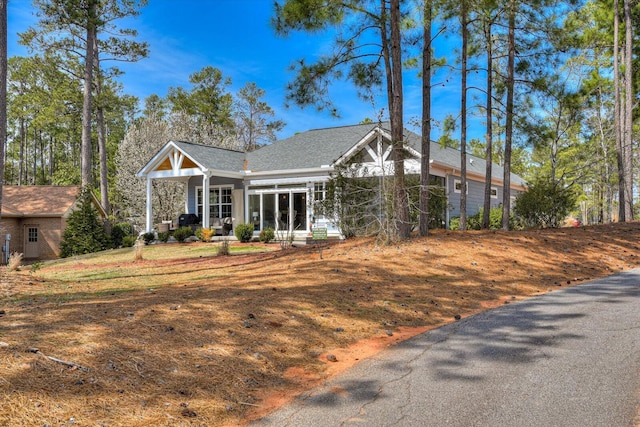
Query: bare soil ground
x=209 y=341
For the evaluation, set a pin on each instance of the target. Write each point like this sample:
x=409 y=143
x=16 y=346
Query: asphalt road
x=567 y=358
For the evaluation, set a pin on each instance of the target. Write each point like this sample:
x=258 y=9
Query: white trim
x=364 y=141
x=173 y=174
x=459 y=190
x=280 y=172
x=149 y=205
x=496 y=190
x=176 y=158
x=206 y=200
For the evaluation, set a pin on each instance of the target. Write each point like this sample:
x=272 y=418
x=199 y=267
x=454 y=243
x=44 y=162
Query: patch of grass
x=162 y=265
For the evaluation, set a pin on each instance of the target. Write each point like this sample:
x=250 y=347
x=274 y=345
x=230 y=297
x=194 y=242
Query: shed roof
x=38 y=200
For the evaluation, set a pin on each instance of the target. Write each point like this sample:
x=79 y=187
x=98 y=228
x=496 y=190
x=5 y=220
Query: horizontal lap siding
x=475 y=197
x=196 y=181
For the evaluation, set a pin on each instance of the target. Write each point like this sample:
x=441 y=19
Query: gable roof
x=310 y=149
x=213 y=158
x=323 y=147
x=181 y=157
x=313 y=149
x=40 y=200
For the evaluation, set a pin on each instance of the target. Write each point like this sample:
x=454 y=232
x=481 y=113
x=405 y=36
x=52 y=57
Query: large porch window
x=220 y=201
x=280 y=209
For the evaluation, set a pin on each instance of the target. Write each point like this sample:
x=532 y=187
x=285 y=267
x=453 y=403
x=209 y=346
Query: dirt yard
x=202 y=340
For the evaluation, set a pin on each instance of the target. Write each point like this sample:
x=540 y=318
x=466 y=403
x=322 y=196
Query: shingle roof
x=322 y=147
x=319 y=147
x=38 y=200
x=451 y=157
x=213 y=158
x=310 y=149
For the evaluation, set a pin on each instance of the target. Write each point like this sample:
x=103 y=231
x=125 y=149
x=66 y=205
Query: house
x=35 y=217
x=275 y=186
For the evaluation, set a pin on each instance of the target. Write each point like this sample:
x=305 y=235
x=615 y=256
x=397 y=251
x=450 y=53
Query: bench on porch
x=221 y=225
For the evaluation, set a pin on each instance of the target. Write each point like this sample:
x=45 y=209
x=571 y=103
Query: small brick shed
x=35 y=217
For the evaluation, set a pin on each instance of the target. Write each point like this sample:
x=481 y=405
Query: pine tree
x=84 y=233
x=367 y=65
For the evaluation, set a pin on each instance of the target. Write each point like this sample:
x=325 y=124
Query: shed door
x=31 y=244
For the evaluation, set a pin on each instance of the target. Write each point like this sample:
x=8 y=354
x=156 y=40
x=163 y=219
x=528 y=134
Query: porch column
x=149 y=206
x=205 y=201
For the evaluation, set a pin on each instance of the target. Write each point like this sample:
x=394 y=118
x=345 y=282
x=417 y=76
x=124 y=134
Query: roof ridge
x=345 y=126
x=208 y=146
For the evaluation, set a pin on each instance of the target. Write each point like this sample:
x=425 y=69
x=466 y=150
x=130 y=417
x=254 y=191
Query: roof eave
x=159 y=157
x=327 y=168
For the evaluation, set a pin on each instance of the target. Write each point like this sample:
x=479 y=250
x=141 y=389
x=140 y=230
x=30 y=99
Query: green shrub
x=244 y=232
x=163 y=236
x=148 y=237
x=545 y=204
x=84 y=232
x=474 y=222
x=183 y=233
x=119 y=231
x=454 y=223
x=128 y=241
x=267 y=235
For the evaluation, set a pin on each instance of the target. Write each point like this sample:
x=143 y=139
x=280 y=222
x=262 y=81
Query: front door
x=31 y=244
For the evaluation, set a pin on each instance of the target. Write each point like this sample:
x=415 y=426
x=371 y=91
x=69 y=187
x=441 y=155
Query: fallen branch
x=55 y=359
x=249 y=404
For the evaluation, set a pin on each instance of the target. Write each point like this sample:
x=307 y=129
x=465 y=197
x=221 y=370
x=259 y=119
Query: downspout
x=446 y=194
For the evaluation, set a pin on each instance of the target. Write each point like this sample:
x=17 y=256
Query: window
x=494 y=192
x=220 y=204
x=33 y=235
x=319 y=192
x=457 y=186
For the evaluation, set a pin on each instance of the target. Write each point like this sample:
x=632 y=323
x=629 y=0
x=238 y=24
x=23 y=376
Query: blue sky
x=235 y=36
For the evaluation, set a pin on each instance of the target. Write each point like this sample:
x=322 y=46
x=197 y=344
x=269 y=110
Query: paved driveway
x=567 y=358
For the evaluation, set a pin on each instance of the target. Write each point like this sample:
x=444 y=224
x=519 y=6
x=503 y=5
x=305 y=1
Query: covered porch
x=205 y=171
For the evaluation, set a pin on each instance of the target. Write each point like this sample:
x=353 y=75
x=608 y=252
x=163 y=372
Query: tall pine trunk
x=506 y=192
x=628 y=112
x=426 y=121
x=23 y=143
x=463 y=118
x=489 y=136
x=85 y=152
x=102 y=136
x=401 y=203
x=3 y=91
x=617 y=110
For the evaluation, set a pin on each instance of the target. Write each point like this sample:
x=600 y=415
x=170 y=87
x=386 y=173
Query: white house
x=275 y=186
